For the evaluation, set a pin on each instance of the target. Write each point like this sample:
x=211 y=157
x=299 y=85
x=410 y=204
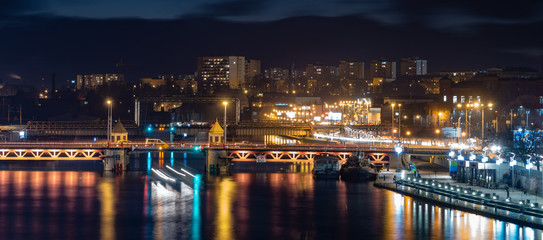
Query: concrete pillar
x=213 y=165
x=407 y=159
x=394 y=160
x=114 y=157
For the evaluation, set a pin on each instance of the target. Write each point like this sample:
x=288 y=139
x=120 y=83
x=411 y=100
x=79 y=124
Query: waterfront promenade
x=436 y=186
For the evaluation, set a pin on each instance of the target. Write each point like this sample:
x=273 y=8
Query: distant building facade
x=351 y=69
x=252 y=68
x=215 y=72
x=382 y=69
x=91 y=81
x=413 y=66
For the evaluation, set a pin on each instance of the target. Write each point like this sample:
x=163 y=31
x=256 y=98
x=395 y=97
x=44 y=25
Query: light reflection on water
x=95 y=205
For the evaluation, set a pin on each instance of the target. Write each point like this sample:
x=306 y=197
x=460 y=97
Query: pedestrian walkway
x=444 y=177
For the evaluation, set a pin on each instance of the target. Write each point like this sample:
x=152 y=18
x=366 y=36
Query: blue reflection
x=196 y=208
x=185 y=158
x=148 y=161
x=171 y=158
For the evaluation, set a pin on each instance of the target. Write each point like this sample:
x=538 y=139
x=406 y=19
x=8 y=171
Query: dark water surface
x=96 y=205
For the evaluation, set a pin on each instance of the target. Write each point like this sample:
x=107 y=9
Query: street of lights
x=471 y=106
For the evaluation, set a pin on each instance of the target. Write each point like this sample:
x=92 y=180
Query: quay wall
x=480 y=209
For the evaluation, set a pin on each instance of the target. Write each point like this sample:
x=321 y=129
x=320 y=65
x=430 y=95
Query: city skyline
x=38 y=45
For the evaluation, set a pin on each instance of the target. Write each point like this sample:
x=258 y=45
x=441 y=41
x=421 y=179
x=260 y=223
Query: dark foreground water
x=96 y=205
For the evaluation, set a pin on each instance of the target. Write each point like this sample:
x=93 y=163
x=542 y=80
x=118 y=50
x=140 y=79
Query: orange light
x=437 y=131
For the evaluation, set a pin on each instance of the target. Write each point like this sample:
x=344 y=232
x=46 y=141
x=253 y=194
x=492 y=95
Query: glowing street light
x=225 y=103
x=392 y=121
x=109 y=119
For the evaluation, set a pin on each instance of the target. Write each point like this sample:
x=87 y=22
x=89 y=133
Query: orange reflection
x=225 y=222
x=107 y=209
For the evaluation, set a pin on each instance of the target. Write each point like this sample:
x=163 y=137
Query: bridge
x=116 y=155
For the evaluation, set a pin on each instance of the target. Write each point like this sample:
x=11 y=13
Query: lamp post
x=399 y=121
x=439 y=119
x=225 y=103
x=392 y=122
x=483 y=120
x=109 y=119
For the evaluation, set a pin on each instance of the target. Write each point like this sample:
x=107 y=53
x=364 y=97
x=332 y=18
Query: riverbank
x=518 y=209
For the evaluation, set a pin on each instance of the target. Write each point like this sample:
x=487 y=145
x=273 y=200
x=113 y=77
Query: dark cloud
x=10 y=8
x=234 y=8
x=489 y=9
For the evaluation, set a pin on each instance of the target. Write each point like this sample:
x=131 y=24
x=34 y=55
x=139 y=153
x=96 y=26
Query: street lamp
x=225 y=103
x=109 y=119
x=399 y=121
x=392 y=122
x=483 y=120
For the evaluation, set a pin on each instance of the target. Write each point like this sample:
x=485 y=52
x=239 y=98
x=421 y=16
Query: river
x=96 y=205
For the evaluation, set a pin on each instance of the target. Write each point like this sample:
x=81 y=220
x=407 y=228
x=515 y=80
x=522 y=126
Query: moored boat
x=353 y=170
x=326 y=166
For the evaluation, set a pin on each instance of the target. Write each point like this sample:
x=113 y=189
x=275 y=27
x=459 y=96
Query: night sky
x=38 y=37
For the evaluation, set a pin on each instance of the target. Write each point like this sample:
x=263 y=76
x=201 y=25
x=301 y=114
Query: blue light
x=171 y=158
x=172 y=129
x=398 y=149
x=196 y=148
x=196 y=218
x=513 y=163
x=149 y=129
x=184 y=134
x=148 y=161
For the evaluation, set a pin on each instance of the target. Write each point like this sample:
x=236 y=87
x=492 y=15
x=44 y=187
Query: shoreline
x=481 y=208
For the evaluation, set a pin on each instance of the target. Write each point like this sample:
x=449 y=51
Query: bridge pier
x=216 y=160
x=116 y=159
x=406 y=159
x=394 y=160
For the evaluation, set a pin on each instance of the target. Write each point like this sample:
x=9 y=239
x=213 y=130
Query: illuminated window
x=540 y=99
x=462 y=99
x=444 y=98
x=478 y=98
x=455 y=99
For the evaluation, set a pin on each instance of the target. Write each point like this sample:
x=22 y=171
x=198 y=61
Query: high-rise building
x=382 y=69
x=91 y=81
x=351 y=69
x=320 y=71
x=413 y=66
x=214 y=72
x=351 y=75
x=252 y=68
x=279 y=77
